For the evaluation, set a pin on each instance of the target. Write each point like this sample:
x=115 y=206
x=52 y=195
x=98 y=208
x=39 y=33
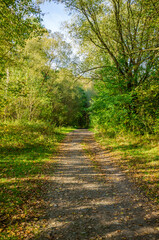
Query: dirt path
x=85 y=205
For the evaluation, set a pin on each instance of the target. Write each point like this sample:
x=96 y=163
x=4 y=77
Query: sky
x=55 y=14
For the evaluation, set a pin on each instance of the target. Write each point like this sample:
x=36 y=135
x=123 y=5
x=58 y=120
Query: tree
x=19 y=19
x=120 y=41
x=122 y=29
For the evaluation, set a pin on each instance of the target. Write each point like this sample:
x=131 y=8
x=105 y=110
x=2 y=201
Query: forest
x=110 y=86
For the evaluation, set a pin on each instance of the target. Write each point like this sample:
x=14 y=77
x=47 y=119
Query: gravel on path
x=85 y=205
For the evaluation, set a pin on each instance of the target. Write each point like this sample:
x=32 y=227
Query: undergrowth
x=25 y=157
x=138 y=156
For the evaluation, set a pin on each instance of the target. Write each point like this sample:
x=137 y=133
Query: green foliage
x=116 y=109
x=34 y=90
x=119 y=41
x=26 y=149
x=19 y=19
x=66 y=100
x=130 y=42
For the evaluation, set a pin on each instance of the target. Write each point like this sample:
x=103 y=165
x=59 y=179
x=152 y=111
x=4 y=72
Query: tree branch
x=88 y=70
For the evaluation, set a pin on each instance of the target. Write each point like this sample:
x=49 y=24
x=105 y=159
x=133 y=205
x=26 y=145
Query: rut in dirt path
x=83 y=206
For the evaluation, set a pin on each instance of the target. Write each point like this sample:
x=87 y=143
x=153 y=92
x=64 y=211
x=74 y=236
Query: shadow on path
x=85 y=206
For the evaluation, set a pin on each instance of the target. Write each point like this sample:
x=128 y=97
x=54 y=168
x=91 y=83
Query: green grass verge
x=138 y=156
x=25 y=164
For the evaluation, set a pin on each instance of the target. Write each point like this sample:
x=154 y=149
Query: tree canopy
x=19 y=19
x=118 y=45
x=119 y=40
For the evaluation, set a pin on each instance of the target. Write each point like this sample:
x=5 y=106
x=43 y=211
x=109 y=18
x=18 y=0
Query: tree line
x=37 y=82
x=119 y=43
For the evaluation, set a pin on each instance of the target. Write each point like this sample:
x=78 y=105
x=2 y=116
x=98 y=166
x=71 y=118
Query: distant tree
x=40 y=86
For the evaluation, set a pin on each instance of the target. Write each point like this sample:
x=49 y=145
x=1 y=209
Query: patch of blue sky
x=54 y=16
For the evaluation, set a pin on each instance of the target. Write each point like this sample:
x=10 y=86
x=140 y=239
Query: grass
x=138 y=156
x=25 y=164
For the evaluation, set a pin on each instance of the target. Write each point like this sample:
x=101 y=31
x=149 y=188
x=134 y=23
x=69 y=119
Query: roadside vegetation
x=26 y=165
x=138 y=157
